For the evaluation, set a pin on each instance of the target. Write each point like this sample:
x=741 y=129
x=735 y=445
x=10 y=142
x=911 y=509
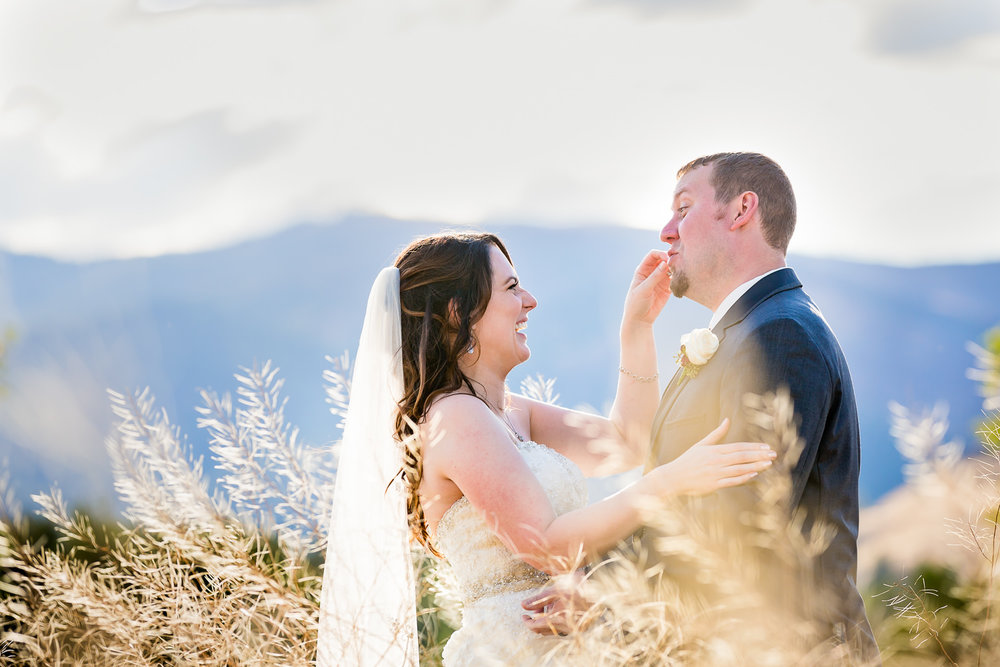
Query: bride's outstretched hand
x=708 y=466
x=649 y=290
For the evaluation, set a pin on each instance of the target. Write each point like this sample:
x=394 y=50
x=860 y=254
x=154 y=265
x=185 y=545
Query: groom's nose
x=669 y=232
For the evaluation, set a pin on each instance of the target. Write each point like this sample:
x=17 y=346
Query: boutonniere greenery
x=697 y=348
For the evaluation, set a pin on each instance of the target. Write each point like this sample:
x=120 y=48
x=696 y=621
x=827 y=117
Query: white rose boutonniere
x=697 y=348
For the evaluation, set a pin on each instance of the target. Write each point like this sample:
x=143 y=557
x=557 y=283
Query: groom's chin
x=679 y=285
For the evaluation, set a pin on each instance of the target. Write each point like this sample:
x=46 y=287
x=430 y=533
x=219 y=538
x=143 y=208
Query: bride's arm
x=472 y=449
x=604 y=446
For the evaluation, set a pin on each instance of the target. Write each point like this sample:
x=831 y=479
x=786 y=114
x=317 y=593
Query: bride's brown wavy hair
x=445 y=283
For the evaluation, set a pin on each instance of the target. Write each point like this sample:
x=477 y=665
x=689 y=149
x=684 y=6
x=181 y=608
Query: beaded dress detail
x=491 y=581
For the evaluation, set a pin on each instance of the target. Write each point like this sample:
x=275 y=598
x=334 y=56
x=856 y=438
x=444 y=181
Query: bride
x=435 y=447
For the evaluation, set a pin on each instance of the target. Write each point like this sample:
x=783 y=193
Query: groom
x=734 y=214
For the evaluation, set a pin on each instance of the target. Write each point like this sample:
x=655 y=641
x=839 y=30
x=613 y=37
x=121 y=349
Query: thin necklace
x=506 y=421
x=502 y=414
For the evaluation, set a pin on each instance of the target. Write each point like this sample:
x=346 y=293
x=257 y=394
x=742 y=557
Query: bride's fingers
x=650 y=262
x=736 y=481
x=535 y=605
x=749 y=455
x=539 y=600
x=546 y=624
x=660 y=281
x=736 y=447
x=648 y=282
x=717 y=434
x=743 y=468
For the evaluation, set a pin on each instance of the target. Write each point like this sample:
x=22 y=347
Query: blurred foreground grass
x=232 y=576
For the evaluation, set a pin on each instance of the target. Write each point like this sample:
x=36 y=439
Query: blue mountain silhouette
x=179 y=323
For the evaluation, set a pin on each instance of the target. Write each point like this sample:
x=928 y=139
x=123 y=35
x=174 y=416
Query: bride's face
x=500 y=332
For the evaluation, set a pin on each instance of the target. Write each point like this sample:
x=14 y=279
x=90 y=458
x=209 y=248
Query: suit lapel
x=779 y=281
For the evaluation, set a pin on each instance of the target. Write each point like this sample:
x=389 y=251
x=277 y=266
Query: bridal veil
x=368 y=603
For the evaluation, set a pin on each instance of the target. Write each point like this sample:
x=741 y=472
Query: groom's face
x=695 y=234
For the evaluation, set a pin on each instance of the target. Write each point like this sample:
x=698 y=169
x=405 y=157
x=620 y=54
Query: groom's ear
x=746 y=208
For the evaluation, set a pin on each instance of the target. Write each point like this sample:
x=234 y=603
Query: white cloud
x=161 y=6
x=653 y=8
x=140 y=128
x=919 y=26
x=148 y=182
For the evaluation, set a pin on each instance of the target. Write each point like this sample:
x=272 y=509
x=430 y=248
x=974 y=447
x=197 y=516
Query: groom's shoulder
x=791 y=312
x=792 y=319
x=793 y=305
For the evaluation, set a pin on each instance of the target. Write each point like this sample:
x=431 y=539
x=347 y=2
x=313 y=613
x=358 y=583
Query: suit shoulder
x=793 y=311
x=800 y=328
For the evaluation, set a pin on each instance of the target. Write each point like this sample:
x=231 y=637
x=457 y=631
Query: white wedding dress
x=492 y=582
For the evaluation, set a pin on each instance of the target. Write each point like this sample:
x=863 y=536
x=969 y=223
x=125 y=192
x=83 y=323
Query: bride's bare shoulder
x=456 y=406
x=456 y=419
x=460 y=434
x=453 y=415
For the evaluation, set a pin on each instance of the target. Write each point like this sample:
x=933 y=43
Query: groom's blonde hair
x=736 y=173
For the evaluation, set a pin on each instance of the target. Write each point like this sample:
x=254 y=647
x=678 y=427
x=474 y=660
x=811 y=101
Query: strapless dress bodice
x=491 y=580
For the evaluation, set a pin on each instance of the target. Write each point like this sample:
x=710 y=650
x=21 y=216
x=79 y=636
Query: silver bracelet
x=638 y=378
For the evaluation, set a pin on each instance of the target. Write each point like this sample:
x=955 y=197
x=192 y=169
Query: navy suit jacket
x=774 y=336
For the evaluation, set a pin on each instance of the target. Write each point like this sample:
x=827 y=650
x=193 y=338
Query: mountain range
x=179 y=323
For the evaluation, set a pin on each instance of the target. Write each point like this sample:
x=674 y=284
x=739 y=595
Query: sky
x=142 y=127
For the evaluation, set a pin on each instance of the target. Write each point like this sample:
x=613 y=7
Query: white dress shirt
x=735 y=295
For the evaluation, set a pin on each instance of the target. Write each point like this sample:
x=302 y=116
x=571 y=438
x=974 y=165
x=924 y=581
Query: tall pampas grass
x=192 y=575
x=229 y=573
x=951 y=615
x=944 y=615
x=195 y=573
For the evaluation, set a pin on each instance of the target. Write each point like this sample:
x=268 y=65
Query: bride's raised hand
x=649 y=290
x=708 y=466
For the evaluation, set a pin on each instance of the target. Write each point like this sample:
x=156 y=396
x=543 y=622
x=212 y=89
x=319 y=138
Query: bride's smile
x=502 y=343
